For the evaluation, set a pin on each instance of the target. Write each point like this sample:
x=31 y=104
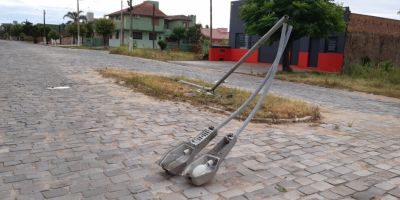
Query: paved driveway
x=98 y=140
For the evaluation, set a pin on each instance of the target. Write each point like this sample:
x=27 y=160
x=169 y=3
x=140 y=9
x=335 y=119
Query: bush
x=384 y=71
x=162 y=44
x=22 y=36
x=53 y=35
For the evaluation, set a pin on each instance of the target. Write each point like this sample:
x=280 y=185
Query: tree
x=315 y=18
x=5 y=30
x=29 y=29
x=177 y=35
x=193 y=34
x=53 y=35
x=74 y=17
x=72 y=29
x=104 y=27
x=89 y=29
x=16 y=30
x=41 y=29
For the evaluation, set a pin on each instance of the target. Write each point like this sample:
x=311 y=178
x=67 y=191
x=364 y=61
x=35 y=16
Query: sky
x=32 y=10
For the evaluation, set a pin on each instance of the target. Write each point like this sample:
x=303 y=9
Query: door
x=314 y=49
x=294 y=57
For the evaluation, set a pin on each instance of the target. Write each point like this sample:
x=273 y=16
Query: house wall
x=176 y=24
x=143 y=23
x=145 y=42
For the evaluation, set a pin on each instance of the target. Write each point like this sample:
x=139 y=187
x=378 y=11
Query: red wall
x=228 y=54
x=236 y=54
x=330 y=62
x=327 y=62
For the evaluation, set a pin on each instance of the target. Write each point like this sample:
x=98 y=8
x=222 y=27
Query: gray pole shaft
x=79 y=40
x=211 y=23
x=154 y=35
x=256 y=46
x=122 y=26
x=44 y=27
x=285 y=37
x=130 y=29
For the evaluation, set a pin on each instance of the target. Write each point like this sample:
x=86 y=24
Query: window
x=331 y=44
x=137 y=35
x=240 y=40
x=117 y=35
x=152 y=36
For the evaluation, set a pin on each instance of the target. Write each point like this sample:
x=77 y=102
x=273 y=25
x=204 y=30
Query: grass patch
x=228 y=99
x=155 y=54
x=376 y=78
x=83 y=47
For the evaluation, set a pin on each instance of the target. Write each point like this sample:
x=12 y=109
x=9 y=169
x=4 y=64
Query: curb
x=265 y=120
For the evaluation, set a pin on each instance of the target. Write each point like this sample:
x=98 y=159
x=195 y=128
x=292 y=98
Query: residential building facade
x=145 y=16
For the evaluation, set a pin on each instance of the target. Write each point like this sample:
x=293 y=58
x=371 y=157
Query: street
x=99 y=140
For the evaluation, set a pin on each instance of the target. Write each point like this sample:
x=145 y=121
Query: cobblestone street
x=98 y=140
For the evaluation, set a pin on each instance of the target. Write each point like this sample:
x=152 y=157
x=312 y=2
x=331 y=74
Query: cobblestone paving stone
x=98 y=140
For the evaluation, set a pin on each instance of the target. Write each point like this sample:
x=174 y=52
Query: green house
x=143 y=16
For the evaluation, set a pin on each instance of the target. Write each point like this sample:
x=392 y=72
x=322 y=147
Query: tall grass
x=384 y=72
x=381 y=78
x=156 y=54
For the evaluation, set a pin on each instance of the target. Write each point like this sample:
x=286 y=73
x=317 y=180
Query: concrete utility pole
x=130 y=9
x=44 y=27
x=77 y=5
x=211 y=22
x=154 y=34
x=122 y=25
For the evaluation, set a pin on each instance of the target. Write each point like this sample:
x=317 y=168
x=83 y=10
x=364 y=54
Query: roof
x=143 y=9
x=179 y=17
x=218 y=34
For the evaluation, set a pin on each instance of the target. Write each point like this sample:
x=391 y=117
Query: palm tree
x=74 y=17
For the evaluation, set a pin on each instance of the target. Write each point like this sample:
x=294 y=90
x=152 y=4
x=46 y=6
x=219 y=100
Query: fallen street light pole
x=179 y=159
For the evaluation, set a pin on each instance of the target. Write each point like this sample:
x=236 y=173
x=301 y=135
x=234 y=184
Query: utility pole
x=130 y=29
x=211 y=22
x=154 y=34
x=44 y=27
x=77 y=5
x=122 y=25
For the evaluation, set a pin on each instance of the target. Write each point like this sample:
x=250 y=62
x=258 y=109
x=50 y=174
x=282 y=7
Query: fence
x=93 y=42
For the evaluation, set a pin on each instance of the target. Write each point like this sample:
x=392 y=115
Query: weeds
x=156 y=54
x=280 y=188
x=377 y=78
x=227 y=99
